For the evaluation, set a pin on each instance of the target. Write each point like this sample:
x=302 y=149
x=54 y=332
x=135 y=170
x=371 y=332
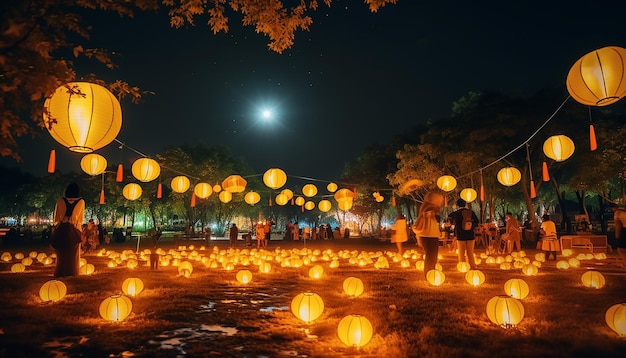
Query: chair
x=479 y=236
x=492 y=238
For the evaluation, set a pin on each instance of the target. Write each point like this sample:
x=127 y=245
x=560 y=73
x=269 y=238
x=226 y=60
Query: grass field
x=210 y=313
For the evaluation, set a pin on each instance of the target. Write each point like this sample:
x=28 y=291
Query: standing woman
x=426 y=228
x=69 y=209
x=399 y=232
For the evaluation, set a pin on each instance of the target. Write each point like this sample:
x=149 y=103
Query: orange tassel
x=101 y=196
x=159 y=191
x=270 y=201
x=302 y=208
x=193 y=200
x=52 y=161
x=393 y=200
x=544 y=171
x=354 y=192
x=119 y=177
x=593 y=144
x=291 y=201
x=482 y=192
x=533 y=192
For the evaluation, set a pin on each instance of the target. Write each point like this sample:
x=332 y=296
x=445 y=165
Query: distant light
x=267 y=114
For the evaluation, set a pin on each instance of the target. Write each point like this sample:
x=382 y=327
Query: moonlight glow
x=266 y=114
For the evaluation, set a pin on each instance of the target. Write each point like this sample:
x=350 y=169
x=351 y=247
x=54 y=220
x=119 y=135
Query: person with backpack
x=464 y=221
x=66 y=235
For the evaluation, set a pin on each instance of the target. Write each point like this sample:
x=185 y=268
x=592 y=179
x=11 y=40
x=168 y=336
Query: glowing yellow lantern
x=132 y=191
x=309 y=205
x=463 y=266
x=616 y=318
x=562 y=265
x=509 y=176
x=331 y=187
x=468 y=194
x=309 y=190
x=87 y=269
x=244 y=276
x=505 y=311
x=234 y=184
x=307 y=306
x=27 y=261
x=185 y=265
x=93 y=164
x=252 y=197
x=300 y=201
x=355 y=330
x=265 y=267
x=345 y=205
x=343 y=194
x=516 y=288
x=83 y=116
x=116 y=308
x=475 y=277
x=530 y=269
x=226 y=196
x=446 y=182
x=288 y=193
x=435 y=277
x=353 y=286
x=281 y=199
x=316 y=271
x=203 y=190
x=180 y=184
x=599 y=77
x=274 y=178
x=567 y=252
x=6 y=256
x=217 y=188
x=593 y=279
x=52 y=290
x=146 y=169
x=324 y=205
x=558 y=147
x=18 y=267
x=132 y=286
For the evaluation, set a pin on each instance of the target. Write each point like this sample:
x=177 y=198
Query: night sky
x=355 y=79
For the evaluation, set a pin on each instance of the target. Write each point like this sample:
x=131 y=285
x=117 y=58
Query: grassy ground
x=211 y=314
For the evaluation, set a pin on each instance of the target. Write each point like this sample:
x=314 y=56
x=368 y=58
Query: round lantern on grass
x=52 y=290
x=593 y=279
x=475 y=277
x=562 y=265
x=505 y=311
x=353 y=286
x=599 y=77
x=516 y=288
x=530 y=270
x=6 y=257
x=463 y=266
x=146 y=169
x=87 y=269
x=307 y=306
x=185 y=265
x=116 y=308
x=616 y=318
x=316 y=271
x=132 y=286
x=435 y=277
x=355 y=330
x=18 y=267
x=265 y=267
x=93 y=164
x=82 y=116
x=274 y=178
x=244 y=277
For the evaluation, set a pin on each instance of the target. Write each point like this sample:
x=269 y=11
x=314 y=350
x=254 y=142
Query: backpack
x=65 y=234
x=467 y=223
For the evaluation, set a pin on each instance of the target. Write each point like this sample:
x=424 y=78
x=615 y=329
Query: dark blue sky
x=356 y=78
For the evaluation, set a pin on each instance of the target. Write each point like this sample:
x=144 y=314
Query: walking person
x=259 y=231
x=69 y=214
x=549 y=239
x=399 y=233
x=426 y=228
x=513 y=235
x=464 y=221
x=232 y=235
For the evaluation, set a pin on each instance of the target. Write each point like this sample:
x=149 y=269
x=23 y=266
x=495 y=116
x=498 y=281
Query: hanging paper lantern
x=281 y=199
x=353 y=286
x=309 y=190
x=234 y=184
x=505 y=311
x=300 y=201
x=316 y=271
x=132 y=286
x=355 y=330
x=435 y=277
x=509 y=176
x=159 y=193
x=52 y=290
x=331 y=187
x=533 y=192
x=288 y=193
x=116 y=308
x=345 y=205
x=599 y=77
x=593 y=279
x=146 y=169
x=132 y=191
x=516 y=288
x=274 y=178
x=86 y=116
x=593 y=143
x=475 y=277
x=307 y=306
x=203 y=190
x=446 y=182
x=558 y=147
x=324 y=205
x=252 y=197
x=309 y=205
x=343 y=194
x=468 y=194
x=180 y=184
x=226 y=196
x=244 y=277
x=93 y=164
x=616 y=318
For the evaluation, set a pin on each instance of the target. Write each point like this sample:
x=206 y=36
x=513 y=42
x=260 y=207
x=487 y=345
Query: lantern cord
x=523 y=143
x=133 y=149
x=530 y=168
